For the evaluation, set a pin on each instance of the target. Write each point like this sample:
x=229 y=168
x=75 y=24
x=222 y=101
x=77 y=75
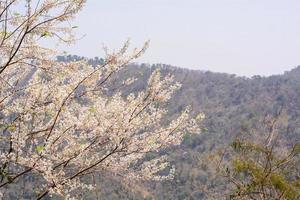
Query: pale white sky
x=245 y=37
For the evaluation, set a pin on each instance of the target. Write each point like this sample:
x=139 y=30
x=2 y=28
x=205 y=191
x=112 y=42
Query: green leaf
x=3 y=33
x=296 y=149
x=39 y=149
x=75 y=27
x=46 y=34
x=92 y=109
x=11 y=128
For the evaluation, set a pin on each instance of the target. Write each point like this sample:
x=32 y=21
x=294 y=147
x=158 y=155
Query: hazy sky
x=245 y=37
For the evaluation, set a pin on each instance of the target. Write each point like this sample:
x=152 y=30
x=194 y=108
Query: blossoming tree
x=57 y=122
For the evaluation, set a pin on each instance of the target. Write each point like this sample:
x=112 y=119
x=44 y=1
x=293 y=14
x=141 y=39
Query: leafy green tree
x=258 y=167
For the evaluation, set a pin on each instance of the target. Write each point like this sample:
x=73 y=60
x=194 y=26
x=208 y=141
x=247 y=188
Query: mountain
x=229 y=102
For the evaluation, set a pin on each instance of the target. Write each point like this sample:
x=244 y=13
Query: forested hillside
x=110 y=128
x=230 y=103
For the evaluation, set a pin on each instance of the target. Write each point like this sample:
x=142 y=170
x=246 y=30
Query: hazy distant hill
x=229 y=102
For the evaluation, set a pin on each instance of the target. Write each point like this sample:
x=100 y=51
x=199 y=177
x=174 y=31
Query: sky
x=244 y=37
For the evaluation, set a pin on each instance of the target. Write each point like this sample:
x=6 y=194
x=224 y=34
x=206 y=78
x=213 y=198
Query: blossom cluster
x=58 y=122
